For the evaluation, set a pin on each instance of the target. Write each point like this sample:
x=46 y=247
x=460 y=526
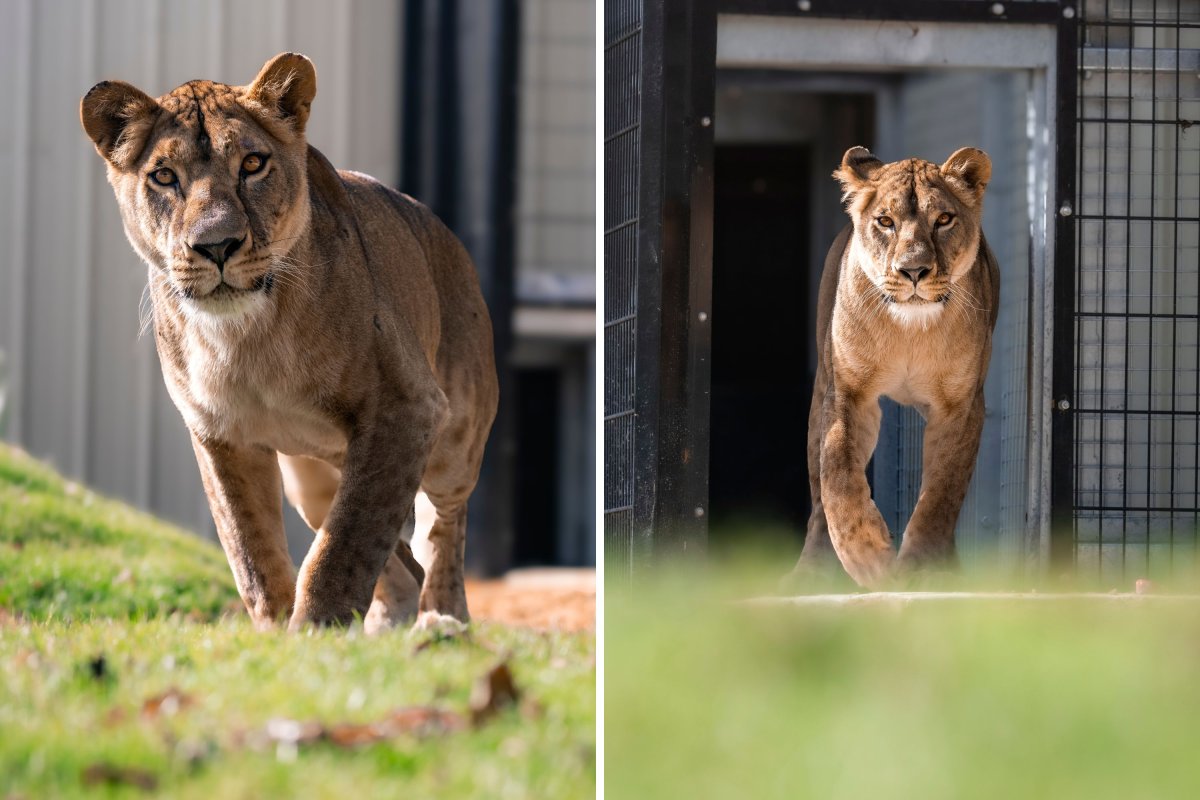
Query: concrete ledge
x=894 y=599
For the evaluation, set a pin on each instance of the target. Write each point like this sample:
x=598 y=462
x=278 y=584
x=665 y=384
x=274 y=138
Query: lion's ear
x=286 y=84
x=968 y=170
x=858 y=169
x=118 y=117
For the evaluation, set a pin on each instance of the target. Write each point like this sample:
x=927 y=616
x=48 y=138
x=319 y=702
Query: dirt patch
x=544 y=599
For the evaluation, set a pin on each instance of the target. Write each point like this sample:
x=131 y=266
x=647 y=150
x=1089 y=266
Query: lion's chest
x=925 y=379
x=921 y=372
x=253 y=402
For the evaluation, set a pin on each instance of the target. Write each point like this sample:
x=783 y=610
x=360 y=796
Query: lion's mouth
x=225 y=290
x=916 y=300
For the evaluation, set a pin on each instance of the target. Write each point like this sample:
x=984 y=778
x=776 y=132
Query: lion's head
x=211 y=180
x=917 y=226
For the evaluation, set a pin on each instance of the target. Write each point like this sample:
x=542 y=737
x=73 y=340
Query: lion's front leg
x=857 y=530
x=382 y=471
x=243 y=488
x=951 y=444
x=817 y=568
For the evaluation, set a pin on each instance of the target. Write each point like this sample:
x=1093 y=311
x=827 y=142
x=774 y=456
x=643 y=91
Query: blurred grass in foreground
x=119 y=677
x=1071 y=699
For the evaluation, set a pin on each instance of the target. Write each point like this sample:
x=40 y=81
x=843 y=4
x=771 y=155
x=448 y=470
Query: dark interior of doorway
x=776 y=209
x=537 y=467
x=761 y=331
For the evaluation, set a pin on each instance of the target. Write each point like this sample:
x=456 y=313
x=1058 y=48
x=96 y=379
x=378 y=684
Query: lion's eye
x=944 y=219
x=164 y=177
x=253 y=163
x=885 y=222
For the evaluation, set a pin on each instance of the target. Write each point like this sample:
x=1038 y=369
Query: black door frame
x=674 y=257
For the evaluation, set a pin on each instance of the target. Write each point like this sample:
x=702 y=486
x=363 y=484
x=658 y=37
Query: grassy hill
x=121 y=677
x=69 y=554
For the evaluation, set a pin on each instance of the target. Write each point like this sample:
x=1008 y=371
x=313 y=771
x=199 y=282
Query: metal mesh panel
x=936 y=113
x=622 y=140
x=1137 y=307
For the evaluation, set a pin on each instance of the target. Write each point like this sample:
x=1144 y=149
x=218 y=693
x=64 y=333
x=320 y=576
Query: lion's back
x=426 y=267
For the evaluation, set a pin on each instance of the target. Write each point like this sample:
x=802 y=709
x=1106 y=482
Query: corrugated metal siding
x=556 y=165
x=83 y=390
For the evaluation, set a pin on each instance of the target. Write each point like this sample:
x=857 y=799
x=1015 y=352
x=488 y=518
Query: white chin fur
x=226 y=308
x=915 y=315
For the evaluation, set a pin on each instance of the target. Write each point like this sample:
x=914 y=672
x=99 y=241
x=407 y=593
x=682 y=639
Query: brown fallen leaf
x=424 y=721
x=418 y=721
x=167 y=704
x=350 y=734
x=492 y=692
x=113 y=775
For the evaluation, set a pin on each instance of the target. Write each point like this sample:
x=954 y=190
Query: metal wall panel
x=556 y=164
x=932 y=115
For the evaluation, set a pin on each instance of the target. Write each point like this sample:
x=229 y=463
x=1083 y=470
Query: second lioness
x=309 y=322
x=907 y=305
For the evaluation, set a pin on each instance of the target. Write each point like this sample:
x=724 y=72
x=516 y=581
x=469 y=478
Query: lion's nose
x=915 y=273
x=219 y=252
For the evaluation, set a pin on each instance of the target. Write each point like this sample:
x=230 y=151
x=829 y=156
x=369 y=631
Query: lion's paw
x=441 y=624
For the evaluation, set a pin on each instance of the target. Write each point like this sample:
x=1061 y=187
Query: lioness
x=316 y=329
x=906 y=308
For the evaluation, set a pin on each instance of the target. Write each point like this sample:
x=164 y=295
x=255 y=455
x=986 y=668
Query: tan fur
x=341 y=353
x=923 y=342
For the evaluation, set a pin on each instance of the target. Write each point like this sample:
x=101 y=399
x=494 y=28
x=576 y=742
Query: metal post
x=459 y=157
x=675 y=278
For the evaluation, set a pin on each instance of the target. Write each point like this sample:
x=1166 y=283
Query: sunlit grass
x=708 y=698
x=67 y=553
x=103 y=610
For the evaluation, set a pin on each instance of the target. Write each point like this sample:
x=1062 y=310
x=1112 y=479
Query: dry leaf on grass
x=113 y=775
x=424 y=721
x=420 y=721
x=492 y=692
x=167 y=704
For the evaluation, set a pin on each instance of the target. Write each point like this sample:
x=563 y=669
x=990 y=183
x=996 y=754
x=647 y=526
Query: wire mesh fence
x=1137 y=306
x=622 y=141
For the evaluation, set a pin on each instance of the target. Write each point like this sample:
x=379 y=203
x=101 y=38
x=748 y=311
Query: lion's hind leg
x=399 y=587
x=310 y=485
x=448 y=482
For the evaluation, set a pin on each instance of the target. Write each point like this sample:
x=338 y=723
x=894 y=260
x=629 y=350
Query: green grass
x=69 y=554
x=83 y=578
x=708 y=699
